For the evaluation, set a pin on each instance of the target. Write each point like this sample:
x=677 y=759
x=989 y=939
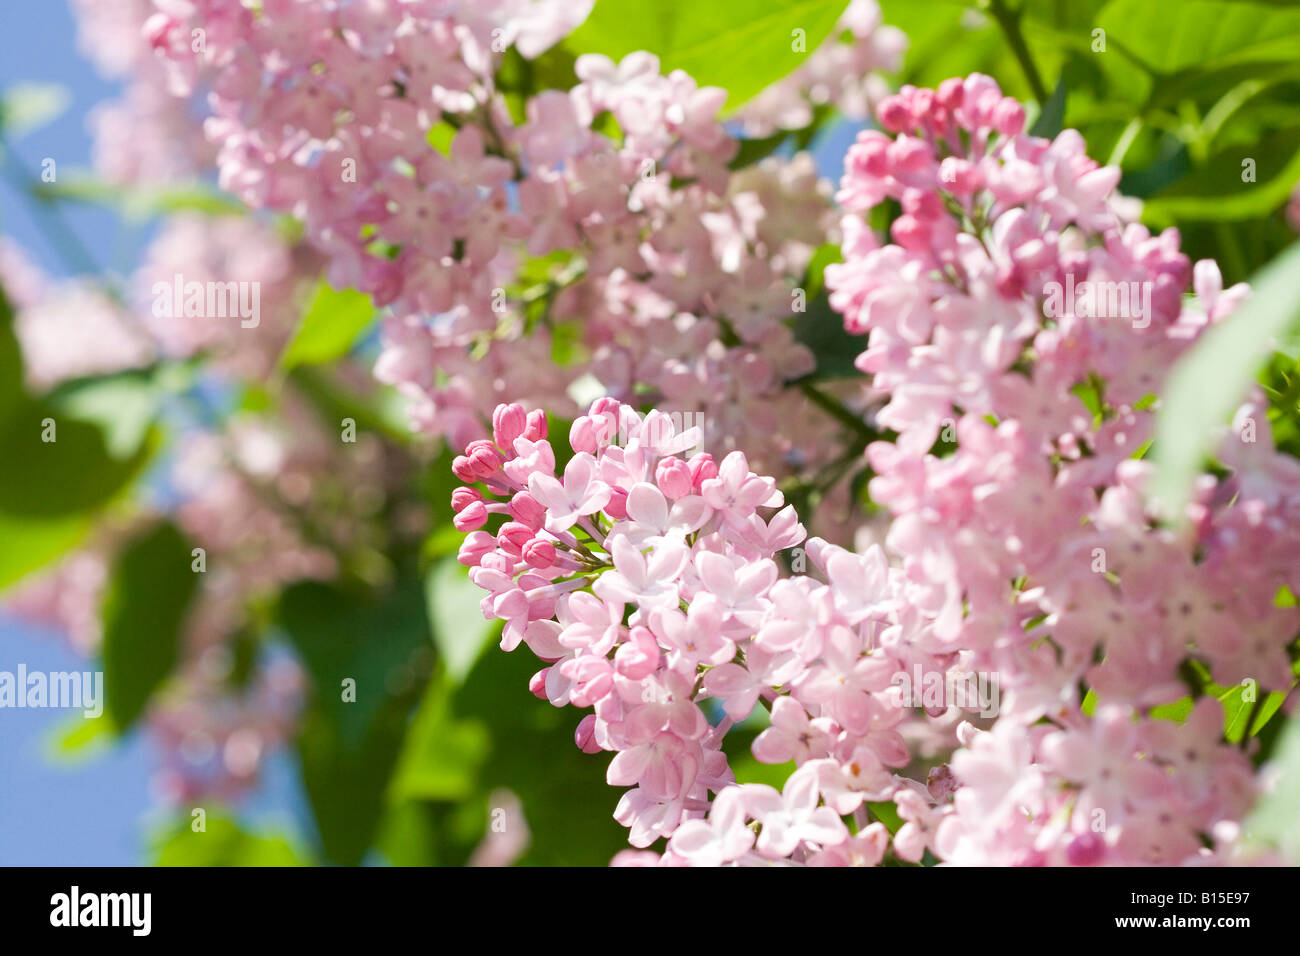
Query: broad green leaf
x=1275 y=820
x=28 y=106
x=332 y=324
x=124 y=405
x=742 y=46
x=148 y=598
x=442 y=755
x=1051 y=115
x=222 y=842
x=12 y=393
x=371 y=641
x=30 y=543
x=530 y=751
x=1184 y=35
x=1216 y=192
x=1209 y=382
x=349 y=741
x=822 y=330
x=66 y=467
x=459 y=628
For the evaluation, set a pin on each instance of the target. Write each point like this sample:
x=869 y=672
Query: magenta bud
x=484 y=460
x=582 y=435
x=471 y=517
x=894 y=114
x=528 y=510
x=508 y=423
x=475 y=547
x=673 y=476
x=513 y=536
x=535 y=425
x=911 y=233
x=462 y=469
x=617 y=506
x=908 y=154
x=1009 y=117
x=950 y=92
x=462 y=498
x=585 y=735
x=1087 y=849
x=539 y=553
x=703 y=468
x=537 y=684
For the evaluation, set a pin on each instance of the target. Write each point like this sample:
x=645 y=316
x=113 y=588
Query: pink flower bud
x=539 y=553
x=528 y=510
x=907 y=154
x=949 y=93
x=582 y=435
x=471 y=517
x=508 y=423
x=537 y=684
x=910 y=233
x=703 y=468
x=894 y=115
x=484 y=460
x=869 y=154
x=474 y=547
x=617 y=506
x=1009 y=117
x=461 y=498
x=1087 y=849
x=535 y=427
x=922 y=204
x=513 y=536
x=959 y=176
x=673 y=477
x=585 y=735
x=462 y=469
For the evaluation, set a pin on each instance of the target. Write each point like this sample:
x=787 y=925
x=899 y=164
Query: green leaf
x=148 y=598
x=442 y=755
x=31 y=543
x=741 y=45
x=349 y=742
x=1051 y=115
x=71 y=473
x=822 y=330
x=1275 y=820
x=332 y=324
x=28 y=106
x=1209 y=382
x=222 y=842
x=124 y=404
x=1216 y=192
x=1203 y=35
x=459 y=628
x=371 y=640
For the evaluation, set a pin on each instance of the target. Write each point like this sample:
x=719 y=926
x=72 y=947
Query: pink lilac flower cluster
x=668 y=277
x=647 y=582
x=147 y=136
x=217 y=251
x=1020 y=518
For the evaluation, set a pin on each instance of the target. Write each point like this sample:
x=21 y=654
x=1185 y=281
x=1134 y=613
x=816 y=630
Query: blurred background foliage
x=1178 y=93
